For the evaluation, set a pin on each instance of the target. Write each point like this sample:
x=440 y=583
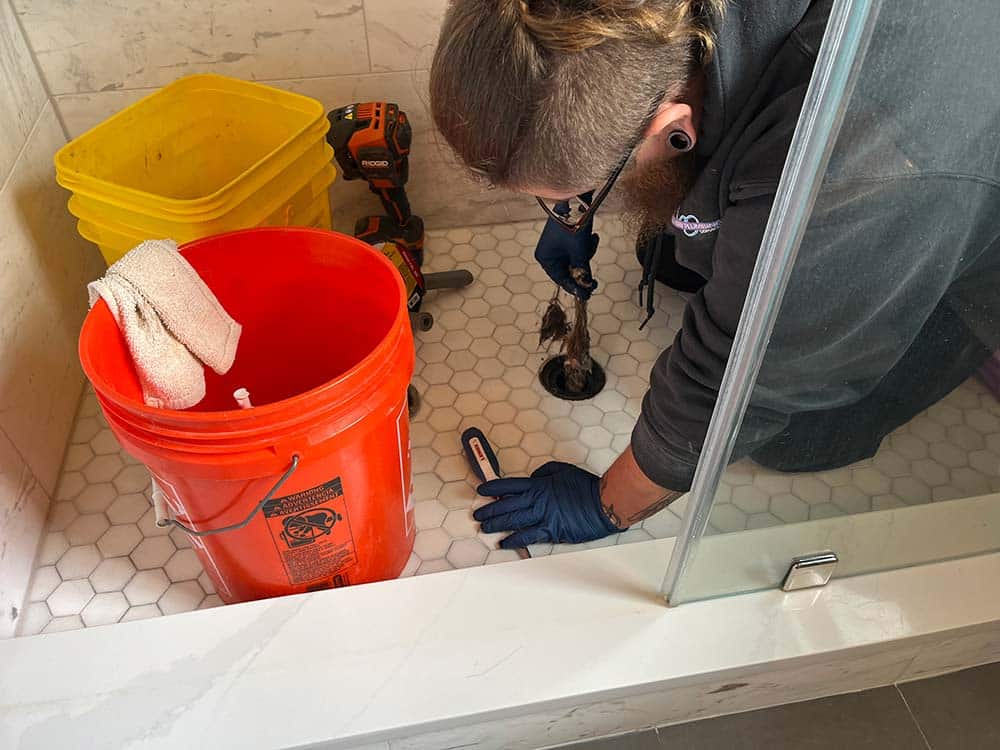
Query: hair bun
x=564 y=26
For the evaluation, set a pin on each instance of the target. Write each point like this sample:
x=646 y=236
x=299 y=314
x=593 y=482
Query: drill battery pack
x=408 y=269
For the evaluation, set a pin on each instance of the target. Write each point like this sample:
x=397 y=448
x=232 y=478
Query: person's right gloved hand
x=566 y=257
x=559 y=502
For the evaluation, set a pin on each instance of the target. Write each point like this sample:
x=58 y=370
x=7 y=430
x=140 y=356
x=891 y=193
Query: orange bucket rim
x=179 y=418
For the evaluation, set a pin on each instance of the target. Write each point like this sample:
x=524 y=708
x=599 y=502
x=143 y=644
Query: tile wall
x=43 y=270
x=97 y=56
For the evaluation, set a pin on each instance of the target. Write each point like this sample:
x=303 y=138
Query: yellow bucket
x=309 y=207
x=203 y=155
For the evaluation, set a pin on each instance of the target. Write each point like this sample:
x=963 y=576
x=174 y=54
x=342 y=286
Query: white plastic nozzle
x=242 y=396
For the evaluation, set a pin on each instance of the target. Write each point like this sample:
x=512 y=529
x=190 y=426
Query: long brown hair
x=552 y=92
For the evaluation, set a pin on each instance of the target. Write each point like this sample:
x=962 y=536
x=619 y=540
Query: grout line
x=17 y=450
x=24 y=146
x=368 y=74
x=51 y=497
x=364 y=25
x=371 y=73
x=68 y=440
x=913 y=717
x=33 y=569
x=49 y=97
x=659 y=740
x=150 y=89
x=906 y=670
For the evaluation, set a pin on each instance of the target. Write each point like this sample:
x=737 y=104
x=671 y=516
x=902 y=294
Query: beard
x=653 y=192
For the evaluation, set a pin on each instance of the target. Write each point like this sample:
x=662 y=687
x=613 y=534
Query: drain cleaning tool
x=484 y=462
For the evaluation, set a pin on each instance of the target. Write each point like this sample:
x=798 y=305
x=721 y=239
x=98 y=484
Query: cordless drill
x=371 y=141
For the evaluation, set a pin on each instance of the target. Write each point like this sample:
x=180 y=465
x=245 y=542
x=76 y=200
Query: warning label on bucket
x=312 y=532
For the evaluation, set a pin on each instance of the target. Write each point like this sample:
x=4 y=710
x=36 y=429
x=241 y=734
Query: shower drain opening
x=553 y=379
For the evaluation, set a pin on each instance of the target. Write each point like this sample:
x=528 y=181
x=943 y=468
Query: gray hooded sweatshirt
x=905 y=233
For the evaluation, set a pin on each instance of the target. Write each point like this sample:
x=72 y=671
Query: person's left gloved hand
x=566 y=256
x=557 y=503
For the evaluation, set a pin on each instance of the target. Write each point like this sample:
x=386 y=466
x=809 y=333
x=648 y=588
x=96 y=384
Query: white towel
x=171 y=321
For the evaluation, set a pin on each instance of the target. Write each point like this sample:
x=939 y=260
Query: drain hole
x=553 y=379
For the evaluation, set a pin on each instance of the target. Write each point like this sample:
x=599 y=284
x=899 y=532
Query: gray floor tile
x=640 y=741
x=872 y=720
x=875 y=719
x=958 y=711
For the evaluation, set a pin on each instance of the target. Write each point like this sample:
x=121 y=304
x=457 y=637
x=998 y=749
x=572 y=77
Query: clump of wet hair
x=578 y=364
x=555 y=326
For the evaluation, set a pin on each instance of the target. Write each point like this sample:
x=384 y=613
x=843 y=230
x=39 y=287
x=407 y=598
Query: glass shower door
x=859 y=413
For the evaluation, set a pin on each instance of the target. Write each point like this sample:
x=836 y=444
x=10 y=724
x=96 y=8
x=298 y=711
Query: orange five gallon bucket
x=309 y=488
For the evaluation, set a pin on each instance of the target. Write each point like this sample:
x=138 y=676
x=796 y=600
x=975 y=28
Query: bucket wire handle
x=159 y=506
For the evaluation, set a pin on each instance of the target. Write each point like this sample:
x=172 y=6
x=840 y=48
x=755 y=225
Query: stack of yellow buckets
x=206 y=154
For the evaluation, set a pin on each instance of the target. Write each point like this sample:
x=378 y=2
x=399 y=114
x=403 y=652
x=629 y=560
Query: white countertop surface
x=371 y=662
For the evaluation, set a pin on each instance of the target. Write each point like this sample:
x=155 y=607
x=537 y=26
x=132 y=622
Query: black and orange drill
x=371 y=141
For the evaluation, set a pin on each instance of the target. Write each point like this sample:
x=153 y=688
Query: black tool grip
x=395 y=203
x=480 y=455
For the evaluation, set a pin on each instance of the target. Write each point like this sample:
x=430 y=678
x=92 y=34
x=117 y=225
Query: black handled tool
x=484 y=462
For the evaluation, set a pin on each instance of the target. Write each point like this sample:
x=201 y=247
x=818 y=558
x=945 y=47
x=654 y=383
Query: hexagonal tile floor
x=103 y=560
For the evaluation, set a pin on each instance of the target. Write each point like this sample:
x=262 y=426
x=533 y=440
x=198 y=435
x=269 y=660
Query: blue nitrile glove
x=558 y=503
x=559 y=252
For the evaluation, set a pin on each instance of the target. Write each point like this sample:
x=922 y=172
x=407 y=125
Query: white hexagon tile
x=103 y=560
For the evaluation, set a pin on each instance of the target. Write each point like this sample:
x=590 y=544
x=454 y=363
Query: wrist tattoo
x=609 y=510
x=655 y=508
x=613 y=516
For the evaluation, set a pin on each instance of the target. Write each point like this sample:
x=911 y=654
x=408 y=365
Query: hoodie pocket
x=752 y=189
